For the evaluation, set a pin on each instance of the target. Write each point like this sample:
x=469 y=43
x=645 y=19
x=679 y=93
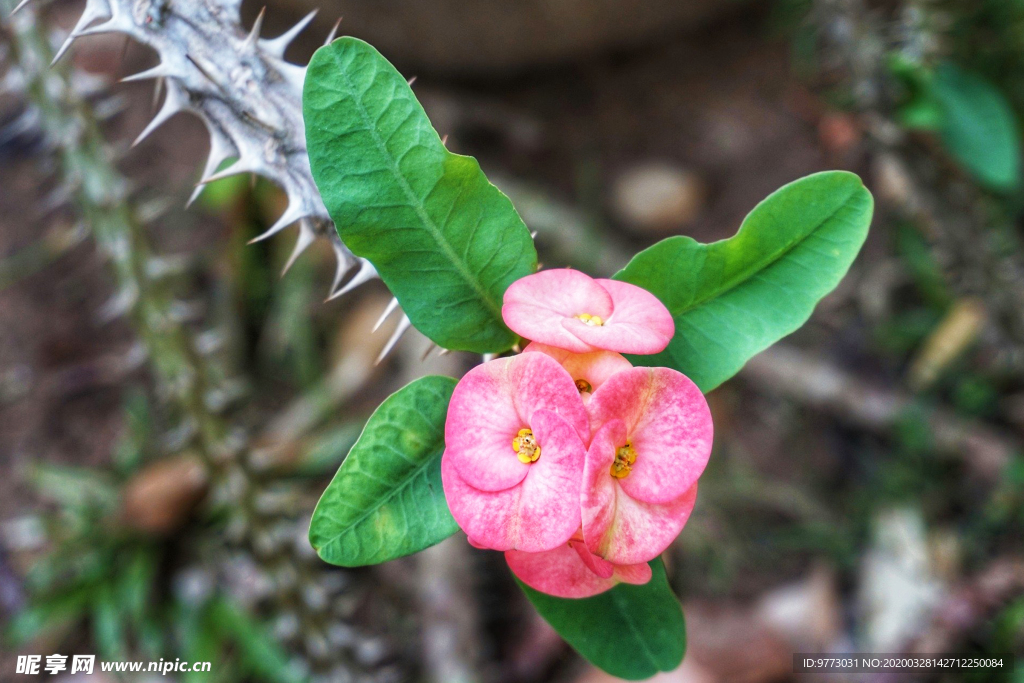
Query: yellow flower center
x=583 y=386
x=625 y=456
x=525 y=446
x=592 y=320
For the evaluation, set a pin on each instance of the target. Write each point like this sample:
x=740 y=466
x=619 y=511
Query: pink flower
x=588 y=370
x=514 y=453
x=572 y=571
x=651 y=440
x=570 y=310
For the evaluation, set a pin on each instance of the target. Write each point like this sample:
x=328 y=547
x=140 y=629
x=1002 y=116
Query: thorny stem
x=185 y=372
x=101 y=199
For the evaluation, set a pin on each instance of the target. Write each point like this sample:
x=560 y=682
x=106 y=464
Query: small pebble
x=655 y=197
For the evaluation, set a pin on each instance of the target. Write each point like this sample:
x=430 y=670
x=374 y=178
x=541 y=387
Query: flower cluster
x=577 y=465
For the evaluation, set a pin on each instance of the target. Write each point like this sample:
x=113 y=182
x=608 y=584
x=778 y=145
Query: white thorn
x=113 y=25
x=334 y=32
x=403 y=325
x=158 y=71
x=63 y=48
x=306 y=237
x=277 y=46
x=158 y=89
x=412 y=80
x=195 y=195
x=365 y=273
x=237 y=168
x=172 y=105
x=220 y=149
x=533 y=234
x=343 y=257
x=254 y=34
x=489 y=356
x=388 y=310
x=293 y=213
x=20 y=6
x=430 y=347
x=93 y=10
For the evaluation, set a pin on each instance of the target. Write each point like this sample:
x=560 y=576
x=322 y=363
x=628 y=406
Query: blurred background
x=171 y=406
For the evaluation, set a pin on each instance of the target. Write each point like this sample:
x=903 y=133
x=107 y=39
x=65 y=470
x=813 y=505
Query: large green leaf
x=978 y=126
x=386 y=500
x=632 y=632
x=734 y=298
x=445 y=240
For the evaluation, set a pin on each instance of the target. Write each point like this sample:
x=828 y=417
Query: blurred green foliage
x=117 y=585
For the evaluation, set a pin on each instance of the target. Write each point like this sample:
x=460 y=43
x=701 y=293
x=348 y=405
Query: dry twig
x=822 y=386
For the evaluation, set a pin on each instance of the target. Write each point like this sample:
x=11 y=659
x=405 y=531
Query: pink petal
x=550 y=505
x=489 y=406
x=668 y=423
x=476 y=544
x=636 y=574
x=636 y=306
x=615 y=526
x=540 y=383
x=561 y=572
x=534 y=306
x=537 y=514
x=487 y=517
x=598 y=565
x=640 y=323
x=594 y=367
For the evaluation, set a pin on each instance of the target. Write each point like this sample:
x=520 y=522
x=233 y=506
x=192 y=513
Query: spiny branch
x=247 y=95
x=190 y=382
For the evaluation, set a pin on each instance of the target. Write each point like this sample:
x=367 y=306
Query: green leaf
x=734 y=298
x=199 y=638
x=445 y=240
x=47 y=615
x=108 y=624
x=386 y=500
x=74 y=487
x=632 y=632
x=978 y=126
x=259 y=652
x=136 y=582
